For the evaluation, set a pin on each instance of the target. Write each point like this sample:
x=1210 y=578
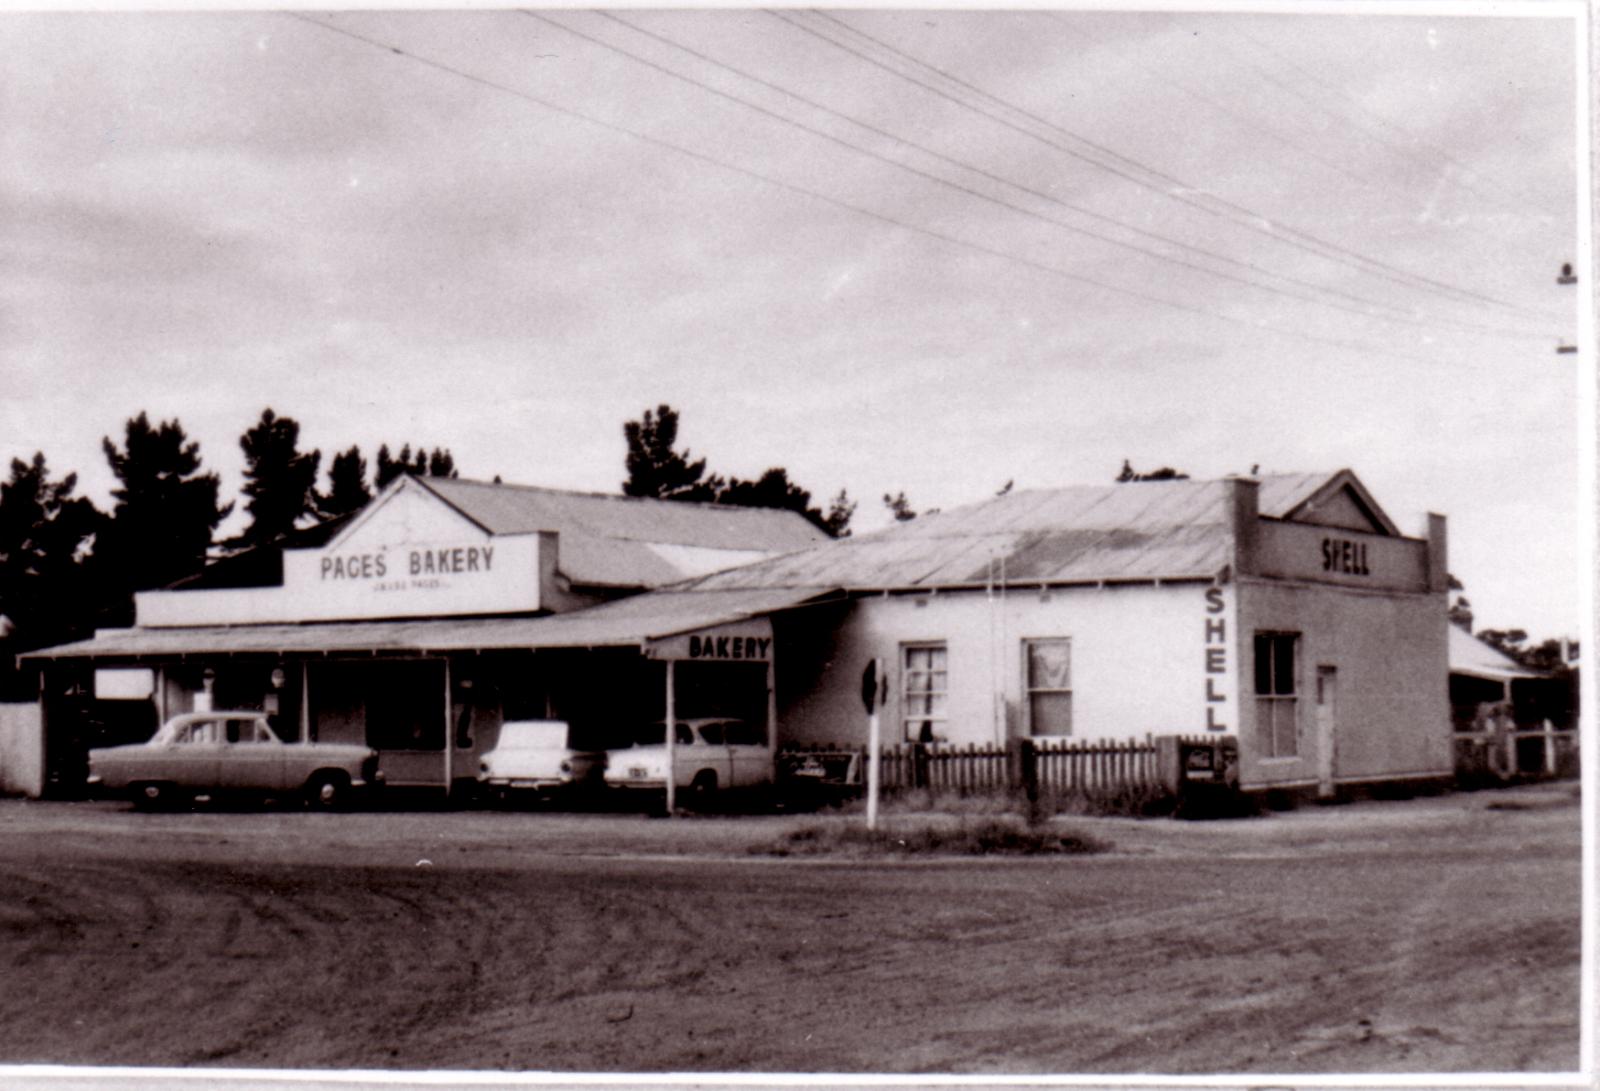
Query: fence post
x=1549 y=749
x=1028 y=771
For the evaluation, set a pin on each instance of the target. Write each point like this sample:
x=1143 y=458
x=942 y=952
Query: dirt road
x=1433 y=935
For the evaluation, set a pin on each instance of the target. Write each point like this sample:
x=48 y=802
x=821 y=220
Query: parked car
x=537 y=756
x=709 y=754
x=228 y=753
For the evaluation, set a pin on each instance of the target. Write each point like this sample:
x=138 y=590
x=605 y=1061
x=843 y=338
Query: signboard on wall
x=453 y=577
x=1350 y=558
x=742 y=641
x=407 y=555
x=431 y=579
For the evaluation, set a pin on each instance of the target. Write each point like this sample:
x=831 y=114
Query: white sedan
x=709 y=753
x=536 y=756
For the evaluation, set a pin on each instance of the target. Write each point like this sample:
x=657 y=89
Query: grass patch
x=986 y=836
x=1121 y=801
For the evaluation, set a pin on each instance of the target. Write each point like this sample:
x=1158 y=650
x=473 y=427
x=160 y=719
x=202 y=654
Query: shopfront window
x=924 y=689
x=1277 y=702
x=1049 y=685
x=405 y=707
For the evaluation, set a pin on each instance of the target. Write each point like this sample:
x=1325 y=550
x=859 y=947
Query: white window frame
x=1273 y=707
x=1029 y=689
x=938 y=722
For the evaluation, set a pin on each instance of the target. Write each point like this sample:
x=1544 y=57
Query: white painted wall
x=21 y=750
x=1392 y=655
x=1138 y=662
x=410 y=515
x=411 y=555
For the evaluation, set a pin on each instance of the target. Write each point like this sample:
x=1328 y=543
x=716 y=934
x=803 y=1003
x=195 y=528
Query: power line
x=976 y=247
x=1243 y=119
x=1462 y=168
x=1235 y=213
x=1399 y=316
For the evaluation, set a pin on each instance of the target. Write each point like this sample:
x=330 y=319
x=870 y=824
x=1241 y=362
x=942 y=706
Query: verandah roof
x=625 y=623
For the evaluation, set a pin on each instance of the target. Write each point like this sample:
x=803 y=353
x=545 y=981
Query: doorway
x=1327 y=728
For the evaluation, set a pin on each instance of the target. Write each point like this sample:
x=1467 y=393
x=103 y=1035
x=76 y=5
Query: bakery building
x=419 y=625
x=1287 y=611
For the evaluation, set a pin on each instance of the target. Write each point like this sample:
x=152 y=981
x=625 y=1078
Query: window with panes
x=1277 y=702
x=925 y=683
x=1048 y=669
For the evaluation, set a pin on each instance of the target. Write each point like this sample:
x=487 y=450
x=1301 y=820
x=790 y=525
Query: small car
x=709 y=753
x=230 y=753
x=537 y=756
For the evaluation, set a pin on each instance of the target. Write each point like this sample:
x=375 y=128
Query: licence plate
x=638 y=772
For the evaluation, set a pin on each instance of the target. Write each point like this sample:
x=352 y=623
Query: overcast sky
x=929 y=251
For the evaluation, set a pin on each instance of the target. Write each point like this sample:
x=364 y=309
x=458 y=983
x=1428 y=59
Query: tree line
x=67 y=568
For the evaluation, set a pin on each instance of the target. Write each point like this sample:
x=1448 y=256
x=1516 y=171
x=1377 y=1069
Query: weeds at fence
x=1117 y=801
x=1002 y=835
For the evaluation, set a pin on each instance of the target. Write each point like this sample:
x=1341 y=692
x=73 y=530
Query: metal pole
x=305 y=701
x=449 y=741
x=672 y=749
x=874 y=757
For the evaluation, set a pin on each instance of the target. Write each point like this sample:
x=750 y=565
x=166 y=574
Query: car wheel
x=703 y=787
x=328 y=791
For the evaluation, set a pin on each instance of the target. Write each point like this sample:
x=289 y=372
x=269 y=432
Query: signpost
x=672 y=749
x=874 y=689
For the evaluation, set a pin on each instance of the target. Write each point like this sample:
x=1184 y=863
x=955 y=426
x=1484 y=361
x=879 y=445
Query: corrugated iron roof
x=523 y=509
x=1469 y=655
x=624 y=623
x=1282 y=493
x=1134 y=531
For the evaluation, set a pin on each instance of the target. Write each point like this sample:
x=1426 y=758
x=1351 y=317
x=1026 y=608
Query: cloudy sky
x=904 y=250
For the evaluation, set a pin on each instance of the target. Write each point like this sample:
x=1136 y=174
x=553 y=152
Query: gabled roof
x=1133 y=531
x=1313 y=498
x=522 y=509
x=628 y=542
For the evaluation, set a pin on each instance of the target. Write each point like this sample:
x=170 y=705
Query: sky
x=889 y=250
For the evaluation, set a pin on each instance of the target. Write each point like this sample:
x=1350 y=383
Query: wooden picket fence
x=1056 y=767
x=1544 y=751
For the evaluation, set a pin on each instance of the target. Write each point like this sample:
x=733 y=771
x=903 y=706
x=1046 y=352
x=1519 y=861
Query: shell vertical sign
x=1217 y=669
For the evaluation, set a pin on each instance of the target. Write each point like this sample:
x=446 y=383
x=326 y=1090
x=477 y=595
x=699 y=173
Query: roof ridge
x=591 y=494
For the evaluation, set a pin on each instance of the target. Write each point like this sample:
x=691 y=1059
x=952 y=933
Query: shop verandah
x=428 y=695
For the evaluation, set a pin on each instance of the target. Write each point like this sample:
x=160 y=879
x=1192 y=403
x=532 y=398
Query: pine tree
x=655 y=469
x=45 y=533
x=347 y=485
x=279 y=480
x=166 y=509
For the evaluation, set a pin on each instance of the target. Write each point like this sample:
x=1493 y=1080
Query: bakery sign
x=439 y=578
x=744 y=641
x=395 y=570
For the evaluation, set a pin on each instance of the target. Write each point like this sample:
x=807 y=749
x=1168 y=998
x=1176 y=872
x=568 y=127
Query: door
x=250 y=760
x=1327 y=728
x=749 y=754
